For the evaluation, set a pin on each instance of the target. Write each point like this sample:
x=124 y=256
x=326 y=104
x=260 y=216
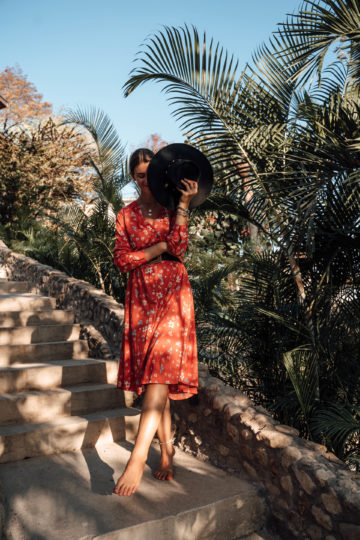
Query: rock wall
x=101 y=317
x=311 y=493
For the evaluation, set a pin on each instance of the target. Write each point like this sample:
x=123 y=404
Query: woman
x=158 y=353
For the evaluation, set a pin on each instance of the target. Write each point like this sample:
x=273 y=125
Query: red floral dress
x=159 y=340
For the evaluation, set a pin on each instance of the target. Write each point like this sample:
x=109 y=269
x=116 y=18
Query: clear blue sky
x=80 y=52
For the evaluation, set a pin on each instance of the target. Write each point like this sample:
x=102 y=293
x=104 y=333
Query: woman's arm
x=154 y=251
x=178 y=238
x=124 y=257
x=188 y=193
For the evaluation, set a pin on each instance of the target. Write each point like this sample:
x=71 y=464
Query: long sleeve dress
x=159 y=339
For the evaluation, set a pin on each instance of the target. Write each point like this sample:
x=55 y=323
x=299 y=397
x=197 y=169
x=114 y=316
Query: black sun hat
x=173 y=163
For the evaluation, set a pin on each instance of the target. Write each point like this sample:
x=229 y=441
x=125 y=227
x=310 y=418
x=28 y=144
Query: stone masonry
x=100 y=316
x=310 y=491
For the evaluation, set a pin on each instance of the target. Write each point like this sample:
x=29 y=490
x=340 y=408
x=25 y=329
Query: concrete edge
x=188 y=525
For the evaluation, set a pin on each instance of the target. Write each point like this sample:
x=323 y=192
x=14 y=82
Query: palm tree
x=90 y=230
x=296 y=317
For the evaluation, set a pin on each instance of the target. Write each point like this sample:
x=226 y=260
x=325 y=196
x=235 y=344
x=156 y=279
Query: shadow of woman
x=101 y=474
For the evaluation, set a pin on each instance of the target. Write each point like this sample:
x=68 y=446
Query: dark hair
x=141 y=155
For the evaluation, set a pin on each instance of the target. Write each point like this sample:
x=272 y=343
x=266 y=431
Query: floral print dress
x=159 y=339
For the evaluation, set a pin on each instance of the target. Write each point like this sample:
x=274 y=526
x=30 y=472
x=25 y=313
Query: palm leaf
x=110 y=150
x=301 y=366
x=338 y=423
x=202 y=83
x=318 y=26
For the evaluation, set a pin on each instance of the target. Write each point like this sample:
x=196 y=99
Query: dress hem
x=174 y=394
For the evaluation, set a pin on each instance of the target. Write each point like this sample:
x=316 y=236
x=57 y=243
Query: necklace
x=147 y=210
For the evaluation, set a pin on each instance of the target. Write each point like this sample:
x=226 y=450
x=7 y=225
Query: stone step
x=70 y=496
x=35 y=318
x=21 y=441
x=14 y=287
x=45 y=376
x=18 y=302
x=38 y=334
x=42 y=352
x=35 y=406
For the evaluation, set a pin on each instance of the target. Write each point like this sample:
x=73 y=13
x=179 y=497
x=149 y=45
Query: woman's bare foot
x=130 y=479
x=165 y=470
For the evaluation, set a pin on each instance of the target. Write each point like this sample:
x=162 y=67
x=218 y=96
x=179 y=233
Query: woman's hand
x=162 y=246
x=189 y=191
x=154 y=251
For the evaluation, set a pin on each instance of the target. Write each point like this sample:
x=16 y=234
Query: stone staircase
x=61 y=408
x=53 y=398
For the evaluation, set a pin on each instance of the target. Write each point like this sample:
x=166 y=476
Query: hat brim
x=158 y=182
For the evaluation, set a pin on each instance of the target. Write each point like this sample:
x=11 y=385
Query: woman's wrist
x=184 y=204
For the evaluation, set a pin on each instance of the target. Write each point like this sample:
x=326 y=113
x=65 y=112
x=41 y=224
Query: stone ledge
x=311 y=492
x=100 y=315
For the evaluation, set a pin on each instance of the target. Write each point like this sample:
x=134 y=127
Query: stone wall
x=101 y=317
x=311 y=493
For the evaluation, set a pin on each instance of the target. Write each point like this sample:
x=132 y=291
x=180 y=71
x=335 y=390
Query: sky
x=80 y=52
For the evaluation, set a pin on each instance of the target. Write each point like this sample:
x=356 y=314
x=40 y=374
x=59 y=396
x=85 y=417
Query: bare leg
x=165 y=470
x=152 y=410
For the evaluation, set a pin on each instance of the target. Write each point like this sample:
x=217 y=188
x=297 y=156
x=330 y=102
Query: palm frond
x=339 y=424
x=317 y=27
x=202 y=83
x=301 y=366
x=110 y=151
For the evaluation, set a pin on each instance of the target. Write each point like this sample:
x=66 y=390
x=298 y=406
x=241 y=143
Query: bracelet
x=167 y=442
x=183 y=214
x=183 y=209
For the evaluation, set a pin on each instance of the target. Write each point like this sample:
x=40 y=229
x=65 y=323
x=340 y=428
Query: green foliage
x=42 y=165
x=79 y=238
x=339 y=425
